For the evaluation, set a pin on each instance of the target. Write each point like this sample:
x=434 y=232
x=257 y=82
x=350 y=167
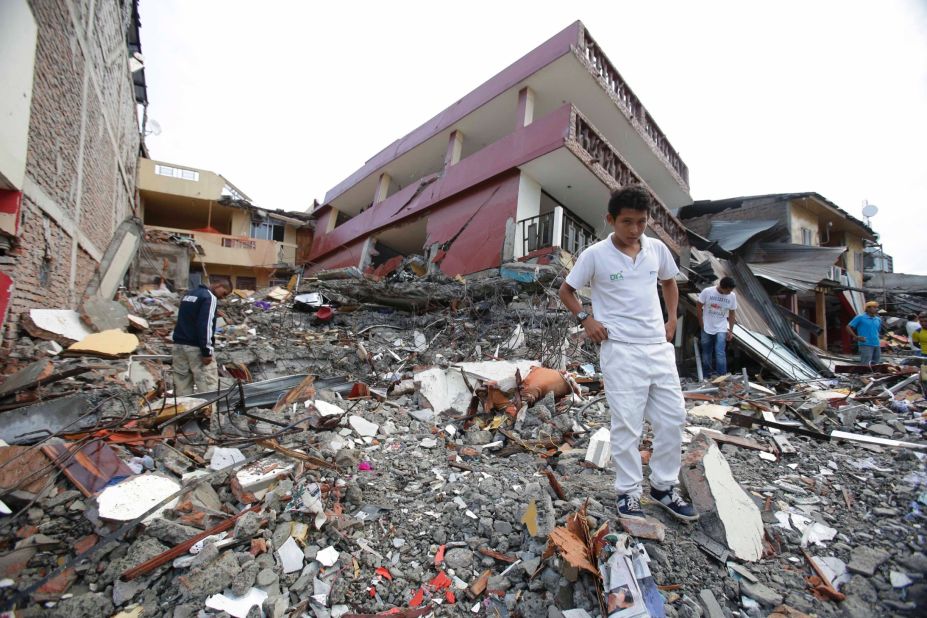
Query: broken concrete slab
x=865 y=560
x=103 y=314
x=137 y=323
x=60 y=325
x=711 y=410
x=644 y=529
x=119 y=254
x=710 y=603
x=362 y=426
x=598 y=453
x=727 y=513
x=106 y=344
x=133 y=497
x=237 y=606
x=761 y=593
x=501 y=372
x=443 y=390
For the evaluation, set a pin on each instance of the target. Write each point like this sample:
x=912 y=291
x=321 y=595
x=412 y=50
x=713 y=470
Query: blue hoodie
x=196 y=319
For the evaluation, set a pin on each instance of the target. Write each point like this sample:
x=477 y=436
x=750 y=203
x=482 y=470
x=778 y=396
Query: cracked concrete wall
x=471 y=228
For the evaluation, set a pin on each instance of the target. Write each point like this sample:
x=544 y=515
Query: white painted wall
x=529 y=205
x=18 y=36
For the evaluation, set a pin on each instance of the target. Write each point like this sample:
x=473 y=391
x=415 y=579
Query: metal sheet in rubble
x=264 y=394
x=36 y=422
x=797 y=267
x=774 y=355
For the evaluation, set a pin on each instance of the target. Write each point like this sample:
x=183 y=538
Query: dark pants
x=714 y=345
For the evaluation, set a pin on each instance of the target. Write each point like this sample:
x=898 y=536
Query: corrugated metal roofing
x=732 y=235
x=797 y=267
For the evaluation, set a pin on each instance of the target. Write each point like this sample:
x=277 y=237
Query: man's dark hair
x=634 y=197
x=727 y=283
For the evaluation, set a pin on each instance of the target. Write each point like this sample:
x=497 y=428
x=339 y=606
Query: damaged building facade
x=806 y=251
x=518 y=169
x=69 y=143
x=198 y=223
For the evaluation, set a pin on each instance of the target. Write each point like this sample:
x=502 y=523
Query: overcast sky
x=286 y=99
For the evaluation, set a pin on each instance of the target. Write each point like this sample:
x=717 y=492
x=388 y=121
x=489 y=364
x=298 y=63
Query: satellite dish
x=154 y=128
x=870 y=210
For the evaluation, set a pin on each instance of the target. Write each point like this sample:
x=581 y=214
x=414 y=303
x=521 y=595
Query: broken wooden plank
x=182 y=548
x=723 y=438
x=827 y=587
x=304 y=391
x=479 y=585
x=497 y=555
x=555 y=484
x=315 y=461
x=745 y=420
x=782 y=443
x=855 y=437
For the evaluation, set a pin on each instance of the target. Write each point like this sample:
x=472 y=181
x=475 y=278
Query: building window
x=246 y=283
x=268 y=230
x=806 y=236
x=177 y=172
x=858 y=263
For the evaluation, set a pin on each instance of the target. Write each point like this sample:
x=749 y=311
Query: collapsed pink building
x=518 y=169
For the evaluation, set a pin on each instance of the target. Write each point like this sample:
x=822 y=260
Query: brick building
x=69 y=143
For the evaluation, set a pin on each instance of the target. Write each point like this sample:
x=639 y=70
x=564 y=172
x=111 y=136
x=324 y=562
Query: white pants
x=641 y=382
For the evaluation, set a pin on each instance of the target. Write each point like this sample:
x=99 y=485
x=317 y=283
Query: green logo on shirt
x=618 y=276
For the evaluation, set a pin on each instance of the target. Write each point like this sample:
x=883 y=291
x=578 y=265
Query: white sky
x=286 y=99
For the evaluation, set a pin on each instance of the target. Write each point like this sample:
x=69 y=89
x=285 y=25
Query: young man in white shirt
x=638 y=362
x=716 y=309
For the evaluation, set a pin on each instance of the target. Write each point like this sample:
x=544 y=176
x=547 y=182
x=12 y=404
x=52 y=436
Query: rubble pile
x=415 y=447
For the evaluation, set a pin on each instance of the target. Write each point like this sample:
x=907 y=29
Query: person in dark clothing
x=193 y=340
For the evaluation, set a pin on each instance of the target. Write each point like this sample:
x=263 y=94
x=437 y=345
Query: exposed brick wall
x=42 y=273
x=99 y=181
x=81 y=159
x=54 y=125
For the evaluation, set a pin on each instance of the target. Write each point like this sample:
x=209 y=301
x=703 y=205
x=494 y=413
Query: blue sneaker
x=674 y=504
x=629 y=507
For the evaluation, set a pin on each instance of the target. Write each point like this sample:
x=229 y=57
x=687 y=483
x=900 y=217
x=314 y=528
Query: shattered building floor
x=433 y=449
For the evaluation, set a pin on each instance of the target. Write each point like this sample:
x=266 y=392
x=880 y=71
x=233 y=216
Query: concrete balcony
x=556 y=228
x=237 y=250
x=570 y=68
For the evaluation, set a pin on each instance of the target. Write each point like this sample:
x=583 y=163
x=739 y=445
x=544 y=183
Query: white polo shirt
x=624 y=290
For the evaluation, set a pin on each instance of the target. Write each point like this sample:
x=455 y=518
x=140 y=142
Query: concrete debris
x=63 y=326
x=106 y=344
x=459 y=466
x=134 y=497
x=101 y=314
